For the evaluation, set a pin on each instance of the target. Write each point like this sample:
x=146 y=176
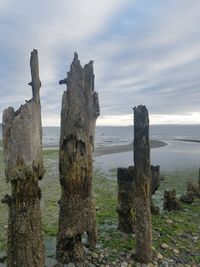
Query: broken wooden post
x=143 y=226
x=125 y=209
x=126 y=191
x=22 y=148
x=80 y=109
x=171 y=202
x=155 y=183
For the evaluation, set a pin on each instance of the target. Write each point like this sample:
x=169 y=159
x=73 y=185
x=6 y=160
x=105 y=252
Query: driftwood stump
x=155 y=183
x=171 y=202
x=143 y=226
x=80 y=109
x=126 y=191
x=199 y=180
x=22 y=148
x=126 y=209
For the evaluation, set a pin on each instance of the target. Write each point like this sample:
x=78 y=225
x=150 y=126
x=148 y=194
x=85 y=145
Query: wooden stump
x=143 y=227
x=22 y=148
x=126 y=191
x=80 y=109
x=199 y=181
x=126 y=209
x=155 y=183
x=171 y=202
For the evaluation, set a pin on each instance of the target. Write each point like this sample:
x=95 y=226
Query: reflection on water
x=175 y=156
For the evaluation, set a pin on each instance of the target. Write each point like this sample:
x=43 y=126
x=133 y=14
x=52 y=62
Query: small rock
x=159 y=256
x=164 y=245
x=80 y=264
x=169 y=221
x=70 y=264
x=131 y=262
x=164 y=264
x=176 y=251
x=124 y=264
x=95 y=255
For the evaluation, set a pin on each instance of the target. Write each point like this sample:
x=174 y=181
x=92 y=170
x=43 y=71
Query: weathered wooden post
x=80 y=109
x=125 y=208
x=171 y=202
x=199 y=180
x=143 y=227
x=22 y=148
x=126 y=192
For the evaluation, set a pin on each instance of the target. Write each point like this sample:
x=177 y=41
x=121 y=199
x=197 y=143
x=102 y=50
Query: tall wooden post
x=22 y=148
x=80 y=109
x=143 y=227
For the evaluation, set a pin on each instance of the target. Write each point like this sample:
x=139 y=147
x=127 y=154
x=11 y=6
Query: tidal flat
x=182 y=234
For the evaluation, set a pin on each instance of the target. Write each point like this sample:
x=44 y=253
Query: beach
x=179 y=163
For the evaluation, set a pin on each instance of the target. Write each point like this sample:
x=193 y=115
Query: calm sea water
x=112 y=136
x=176 y=155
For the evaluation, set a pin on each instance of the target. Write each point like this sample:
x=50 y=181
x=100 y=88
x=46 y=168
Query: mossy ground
x=183 y=234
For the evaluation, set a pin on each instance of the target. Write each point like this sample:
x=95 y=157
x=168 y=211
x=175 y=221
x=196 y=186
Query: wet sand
x=189 y=140
x=124 y=148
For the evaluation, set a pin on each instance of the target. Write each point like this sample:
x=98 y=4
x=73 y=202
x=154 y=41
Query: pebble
x=176 y=251
x=159 y=256
x=164 y=245
x=95 y=255
x=124 y=264
x=169 y=221
x=70 y=264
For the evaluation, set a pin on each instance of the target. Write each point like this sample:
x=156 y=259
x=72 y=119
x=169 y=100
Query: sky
x=144 y=51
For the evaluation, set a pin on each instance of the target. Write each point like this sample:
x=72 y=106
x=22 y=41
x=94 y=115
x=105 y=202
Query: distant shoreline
x=99 y=151
x=189 y=140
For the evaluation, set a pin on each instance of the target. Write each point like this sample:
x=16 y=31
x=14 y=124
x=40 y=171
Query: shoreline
x=189 y=140
x=99 y=151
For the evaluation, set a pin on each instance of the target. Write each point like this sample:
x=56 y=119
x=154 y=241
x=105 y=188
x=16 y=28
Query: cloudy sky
x=144 y=51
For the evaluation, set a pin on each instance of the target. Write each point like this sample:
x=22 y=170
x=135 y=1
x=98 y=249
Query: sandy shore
x=124 y=148
x=189 y=140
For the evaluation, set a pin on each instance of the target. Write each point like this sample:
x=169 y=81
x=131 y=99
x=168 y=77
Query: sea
x=175 y=155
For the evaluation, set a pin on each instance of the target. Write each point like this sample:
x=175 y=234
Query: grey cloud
x=150 y=57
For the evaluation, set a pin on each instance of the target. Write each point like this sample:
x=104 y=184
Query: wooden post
x=80 y=109
x=22 y=148
x=126 y=191
x=125 y=209
x=199 y=180
x=143 y=227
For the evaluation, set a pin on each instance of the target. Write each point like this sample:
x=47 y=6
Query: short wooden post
x=126 y=209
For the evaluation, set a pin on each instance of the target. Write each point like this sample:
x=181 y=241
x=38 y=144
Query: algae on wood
x=22 y=148
x=80 y=109
x=143 y=225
